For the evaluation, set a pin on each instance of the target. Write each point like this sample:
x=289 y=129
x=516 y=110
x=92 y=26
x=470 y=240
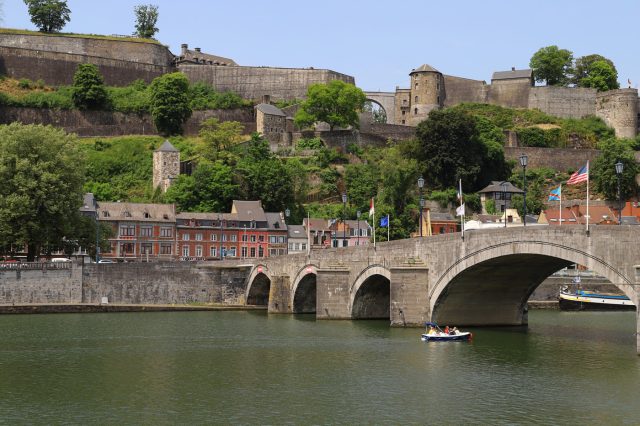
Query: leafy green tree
x=219 y=136
x=584 y=69
x=604 y=171
x=336 y=103
x=398 y=179
x=552 y=65
x=361 y=182
x=210 y=188
x=450 y=148
x=146 y=20
x=602 y=76
x=170 y=103
x=48 y=15
x=83 y=234
x=88 y=90
x=42 y=172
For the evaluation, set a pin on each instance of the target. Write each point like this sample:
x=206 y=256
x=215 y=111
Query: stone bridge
x=484 y=280
x=387 y=100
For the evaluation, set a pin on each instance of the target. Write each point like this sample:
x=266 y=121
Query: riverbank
x=63 y=308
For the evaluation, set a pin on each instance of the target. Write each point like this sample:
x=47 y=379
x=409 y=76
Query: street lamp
x=504 y=201
x=523 y=163
x=421 y=210
x=420 y=185
x=358 y=213
x=287 y=213
x=619 y=168
x=344 y=216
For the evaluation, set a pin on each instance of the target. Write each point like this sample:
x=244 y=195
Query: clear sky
x=377 y=42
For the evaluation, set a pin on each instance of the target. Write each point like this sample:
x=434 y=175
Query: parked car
x=60 y=260
x=106 y=261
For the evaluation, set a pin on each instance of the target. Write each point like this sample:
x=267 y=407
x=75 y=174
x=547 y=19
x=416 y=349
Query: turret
x=427 y=92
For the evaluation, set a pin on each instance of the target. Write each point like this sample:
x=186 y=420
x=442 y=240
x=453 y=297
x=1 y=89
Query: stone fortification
x=54 y=59
x=561 y=159
x=108 y=123
x=565 y=102
x=619 y=109
x=256 y=82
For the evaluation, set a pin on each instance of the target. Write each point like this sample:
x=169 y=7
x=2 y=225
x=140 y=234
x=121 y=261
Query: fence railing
x=41 y=266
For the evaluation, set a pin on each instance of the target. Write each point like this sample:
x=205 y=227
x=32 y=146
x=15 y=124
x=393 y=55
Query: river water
x=254 y=368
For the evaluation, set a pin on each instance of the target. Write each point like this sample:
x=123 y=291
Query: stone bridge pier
x=484 y=280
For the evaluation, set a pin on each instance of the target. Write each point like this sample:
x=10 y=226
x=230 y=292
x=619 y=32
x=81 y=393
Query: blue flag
x=384 y=222
x=555 y=194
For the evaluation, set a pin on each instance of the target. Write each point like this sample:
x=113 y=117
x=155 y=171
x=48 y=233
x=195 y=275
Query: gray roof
x=506 y=75
x=441 y=216
x=167 y=147
x=424 y=68
x=297 y=231
x=88 y=203
x=270 y=109
x=137 y=212
x=353 y=224
x=496 y=186
x=248 y=210
x=275 y=222
x=204 y=58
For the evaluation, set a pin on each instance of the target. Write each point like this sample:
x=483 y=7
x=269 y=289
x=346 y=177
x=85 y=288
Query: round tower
x=619 y=109
x=427 y=92
x=166 y=165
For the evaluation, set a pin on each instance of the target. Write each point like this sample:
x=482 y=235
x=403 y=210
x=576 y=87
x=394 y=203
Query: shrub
x=25 y=83
x=88 y=88
x=309 y=143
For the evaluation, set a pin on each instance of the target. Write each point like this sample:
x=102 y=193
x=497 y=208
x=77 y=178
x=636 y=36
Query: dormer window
x=165 y=216
x=147 y=215
x=105 y=213
x=127 y=214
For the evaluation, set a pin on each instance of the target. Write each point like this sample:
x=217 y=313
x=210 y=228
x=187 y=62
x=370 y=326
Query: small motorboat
x=582 y=300
x=433 y=333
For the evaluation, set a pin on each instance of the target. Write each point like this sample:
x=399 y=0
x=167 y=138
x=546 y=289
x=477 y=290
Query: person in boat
x=446 y=330
x=455 y=331
x=432 y=331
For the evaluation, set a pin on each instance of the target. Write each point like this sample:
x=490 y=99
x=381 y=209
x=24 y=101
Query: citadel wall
x=54 y=59
x=565 y=102
x=464 y=90
x=511 y=93
x=619 y=109
x=108 y=123
x=255 y=82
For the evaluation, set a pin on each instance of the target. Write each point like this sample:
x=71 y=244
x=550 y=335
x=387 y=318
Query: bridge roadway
x=484 y=280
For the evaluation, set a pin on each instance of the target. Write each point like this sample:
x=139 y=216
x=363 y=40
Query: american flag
x=581 y=175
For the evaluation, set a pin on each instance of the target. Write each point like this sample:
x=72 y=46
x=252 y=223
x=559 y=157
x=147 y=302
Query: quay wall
x=26 y=286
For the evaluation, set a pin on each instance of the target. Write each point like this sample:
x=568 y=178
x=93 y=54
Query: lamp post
x=358 y=213
x=619 y=169
x=503 y=185
x=220 y=241
x=523 y=163
x=287 y=212
x=421 y=210
x=344 y=216
x=420 y=185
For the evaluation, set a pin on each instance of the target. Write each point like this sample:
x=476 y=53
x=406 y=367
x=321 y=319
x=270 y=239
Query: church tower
x=166 y=165
x=427 y=93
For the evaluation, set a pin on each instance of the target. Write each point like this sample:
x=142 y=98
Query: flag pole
x=388 y=226
x=588 y=172
x=560 y=198
x=461 y=203
x=308 y=234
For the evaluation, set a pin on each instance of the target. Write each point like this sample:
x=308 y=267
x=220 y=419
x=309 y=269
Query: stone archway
x=386 y=101
x=371 y=294
x=304 y=290
x=258 y=287
x=491 y=286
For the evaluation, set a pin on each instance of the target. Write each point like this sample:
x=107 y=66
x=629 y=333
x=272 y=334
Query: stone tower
x=427 y=93
x=166 y=165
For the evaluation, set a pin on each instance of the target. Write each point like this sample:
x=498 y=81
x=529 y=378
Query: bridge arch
x=258 y=286
x=387 y=101
x=491 y=286
x=370 y=294
x=304 y=290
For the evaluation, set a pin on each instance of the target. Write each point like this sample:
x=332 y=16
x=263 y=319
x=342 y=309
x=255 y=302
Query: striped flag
x=372 y=209
x=580 y=176
x=555 y=194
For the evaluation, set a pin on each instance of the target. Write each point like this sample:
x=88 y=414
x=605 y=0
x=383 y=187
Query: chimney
x=512 y=68
x=197 y=49
x=184 y=47
x=266 y=99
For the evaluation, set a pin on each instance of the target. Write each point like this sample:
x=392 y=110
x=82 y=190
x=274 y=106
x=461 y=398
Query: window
x=166 y=232
x=260 y=251
x=234 y=238
x=416 y=85
x=146 y=231
x=105 y=213
x=198 y=251
x=185 y=251
x=185 y=237
x=199 y=236
x=214 y=237
x=253 y=252
x=438 y=98
x=127 y=248
x=273 y=239
x=165 y=249
x=415 y=111
x=244 y=237
x=403 y=120
x=231 y=252
x=224 y=237
x=402 y=112
x=290 y=246
x=146 y=248
x=281 y=239
x=244 y=252
x=297 y=246
x=127 y=230
x=253 y=238
x=146 y=215
x=304 y=246
x=213 y=252
x=261 y=238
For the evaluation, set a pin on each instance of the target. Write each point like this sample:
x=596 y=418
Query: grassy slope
x=96 y=36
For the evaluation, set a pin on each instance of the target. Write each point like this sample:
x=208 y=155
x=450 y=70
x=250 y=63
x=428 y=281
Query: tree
x=450 y=148
x=170 y=103
x=210 y=188
x=583 y=69
x=552 y=65
x=602 y=76
x=361 y=183
x=146 y=20
x=604 y=171
x=42 y=171
x=48 y=15
x=88 y=90
x=336 y=103
x=219 y=136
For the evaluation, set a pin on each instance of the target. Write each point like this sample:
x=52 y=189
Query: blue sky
x=376 y=42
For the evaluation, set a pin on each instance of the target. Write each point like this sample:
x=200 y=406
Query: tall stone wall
x=54 y=59
x=566 y=102
x=461 y=90
x=107 y=123
x=561 y=159
x=512 y=93
x=255 y=82
x=22 y=286
x=619 y=109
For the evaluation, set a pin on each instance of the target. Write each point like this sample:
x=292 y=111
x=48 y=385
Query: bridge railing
x=42 y=266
